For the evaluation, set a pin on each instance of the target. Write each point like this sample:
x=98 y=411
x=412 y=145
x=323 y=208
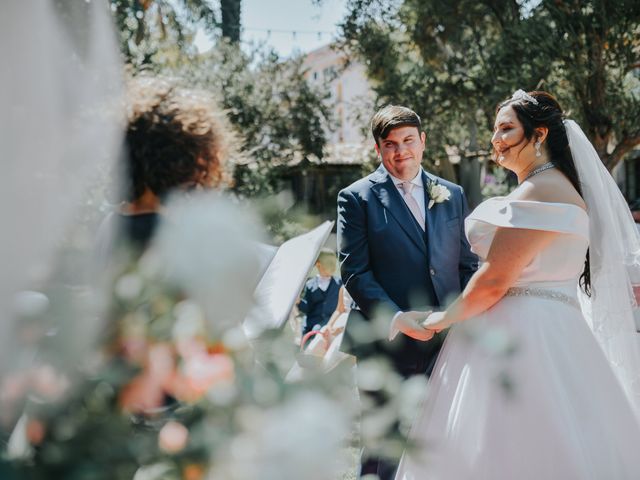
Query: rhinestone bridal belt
x=542 y=293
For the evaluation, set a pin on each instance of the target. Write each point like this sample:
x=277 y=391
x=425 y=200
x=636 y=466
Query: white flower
x=273 y=444
x=207 y=247
x=437 y=193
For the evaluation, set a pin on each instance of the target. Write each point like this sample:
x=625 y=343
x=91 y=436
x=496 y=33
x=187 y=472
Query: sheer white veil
x=615 y=264
x=61 y=86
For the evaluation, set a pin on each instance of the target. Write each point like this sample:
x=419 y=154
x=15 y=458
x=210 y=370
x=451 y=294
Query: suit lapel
x=429 y=213
x=433 y=215
x=388 y=195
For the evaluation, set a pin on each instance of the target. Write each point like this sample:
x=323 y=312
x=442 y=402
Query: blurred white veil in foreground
x=59 y=98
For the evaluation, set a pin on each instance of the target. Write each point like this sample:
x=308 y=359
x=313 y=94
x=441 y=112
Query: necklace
x=538 y=170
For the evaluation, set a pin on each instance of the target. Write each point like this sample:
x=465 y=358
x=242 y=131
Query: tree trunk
x=470 y=169
x=231 y=19
x=622 y=148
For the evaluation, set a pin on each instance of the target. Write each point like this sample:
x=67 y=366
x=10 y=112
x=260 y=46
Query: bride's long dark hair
x=548 y=113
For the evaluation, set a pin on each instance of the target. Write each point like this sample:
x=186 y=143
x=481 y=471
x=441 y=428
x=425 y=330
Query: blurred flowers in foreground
x=174 y=390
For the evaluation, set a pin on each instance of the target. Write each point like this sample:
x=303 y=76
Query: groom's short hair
x=390 y=117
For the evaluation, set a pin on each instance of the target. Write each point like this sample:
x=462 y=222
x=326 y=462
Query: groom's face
x=401 y=152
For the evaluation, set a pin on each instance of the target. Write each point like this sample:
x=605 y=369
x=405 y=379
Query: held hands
x=435 y=322
x=410 y=323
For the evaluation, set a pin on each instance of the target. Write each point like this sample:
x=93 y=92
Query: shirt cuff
x=393 y=330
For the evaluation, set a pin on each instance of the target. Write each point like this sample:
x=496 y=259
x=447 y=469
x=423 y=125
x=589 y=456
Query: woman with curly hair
x=176 y=140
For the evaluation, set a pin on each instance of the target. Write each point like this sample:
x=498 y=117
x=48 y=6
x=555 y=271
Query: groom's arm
x=353 y=252
x=468 y=260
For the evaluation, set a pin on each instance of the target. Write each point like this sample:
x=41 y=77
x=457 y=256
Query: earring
x=537 y=147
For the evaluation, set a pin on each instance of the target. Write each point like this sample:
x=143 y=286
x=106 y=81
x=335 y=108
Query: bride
x=559 y=257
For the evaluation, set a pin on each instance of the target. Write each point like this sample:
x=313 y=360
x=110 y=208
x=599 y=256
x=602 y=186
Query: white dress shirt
x=417 y=193
x=323 y=282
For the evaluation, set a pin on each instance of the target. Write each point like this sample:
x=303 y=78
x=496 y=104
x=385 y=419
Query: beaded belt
x=541 y=293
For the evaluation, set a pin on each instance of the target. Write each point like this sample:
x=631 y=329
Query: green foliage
x=280 y=118
x=146 y=27
x=454 y=61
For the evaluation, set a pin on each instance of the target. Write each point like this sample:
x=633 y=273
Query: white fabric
x=323 y=282
x=615 y=264
x=557 y=217
x=565 y=416
x=417 y=193
x=59 y=130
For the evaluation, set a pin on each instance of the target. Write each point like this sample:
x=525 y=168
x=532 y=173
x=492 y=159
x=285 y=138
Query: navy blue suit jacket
x=388 y=264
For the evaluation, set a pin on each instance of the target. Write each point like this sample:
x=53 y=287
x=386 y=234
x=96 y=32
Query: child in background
x=320 y=295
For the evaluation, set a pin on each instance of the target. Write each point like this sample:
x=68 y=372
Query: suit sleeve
x=468 y=260
x=353 y=252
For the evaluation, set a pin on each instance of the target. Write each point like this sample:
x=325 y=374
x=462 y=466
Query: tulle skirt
x=524 y=392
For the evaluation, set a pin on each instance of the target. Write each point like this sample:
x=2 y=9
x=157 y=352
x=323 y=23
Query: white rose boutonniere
x=437 y=194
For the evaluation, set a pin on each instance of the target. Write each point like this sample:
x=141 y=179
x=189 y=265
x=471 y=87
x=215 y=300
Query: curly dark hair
x=548 y=113
x=175 y=137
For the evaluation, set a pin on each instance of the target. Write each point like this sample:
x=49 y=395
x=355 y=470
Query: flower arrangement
x=168 y=394
x=172 y=389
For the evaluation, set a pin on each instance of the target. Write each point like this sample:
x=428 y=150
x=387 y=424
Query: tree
x=146 y=26
x=454 y=61
x=281 y=119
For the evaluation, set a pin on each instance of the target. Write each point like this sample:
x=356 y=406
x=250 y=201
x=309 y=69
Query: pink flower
x=35 y=432
x=134 y=349
x=173 y=437
x=147 y=391
x=141 y=395
x=193 y=471
x=161 y=362
x=14 y=387
x=200 y=372
x=190 y=346
x=49 y=383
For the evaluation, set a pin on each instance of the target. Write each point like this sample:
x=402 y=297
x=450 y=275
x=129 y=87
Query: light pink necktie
x=407 y=188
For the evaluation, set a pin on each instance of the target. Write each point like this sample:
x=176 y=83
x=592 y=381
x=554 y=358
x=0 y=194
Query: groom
x=402 y=252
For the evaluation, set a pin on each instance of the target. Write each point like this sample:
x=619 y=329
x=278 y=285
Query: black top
x=124 y=233
x=138 y=229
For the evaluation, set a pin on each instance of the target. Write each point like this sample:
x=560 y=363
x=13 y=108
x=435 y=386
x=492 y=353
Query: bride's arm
x=511 y=251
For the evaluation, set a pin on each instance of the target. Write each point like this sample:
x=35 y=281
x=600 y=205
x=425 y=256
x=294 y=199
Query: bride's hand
x=435 y=321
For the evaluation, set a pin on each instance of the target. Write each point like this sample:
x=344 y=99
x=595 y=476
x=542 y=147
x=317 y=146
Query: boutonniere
x=437 y=193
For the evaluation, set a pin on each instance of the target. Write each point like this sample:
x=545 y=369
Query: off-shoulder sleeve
x=527 y=214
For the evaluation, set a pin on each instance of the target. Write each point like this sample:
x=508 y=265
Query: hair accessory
x=522 y=95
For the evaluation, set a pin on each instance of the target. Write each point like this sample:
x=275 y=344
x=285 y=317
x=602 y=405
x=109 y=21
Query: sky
x=275 y=21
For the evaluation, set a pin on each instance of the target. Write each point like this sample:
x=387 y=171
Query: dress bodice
x=561 y=261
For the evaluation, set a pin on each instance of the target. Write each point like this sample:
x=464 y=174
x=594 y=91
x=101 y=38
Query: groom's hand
x=410 y=323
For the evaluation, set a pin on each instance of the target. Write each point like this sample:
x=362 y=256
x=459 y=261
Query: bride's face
x=512 y=149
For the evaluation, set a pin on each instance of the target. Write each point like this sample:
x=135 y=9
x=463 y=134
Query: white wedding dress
x=564 y=415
